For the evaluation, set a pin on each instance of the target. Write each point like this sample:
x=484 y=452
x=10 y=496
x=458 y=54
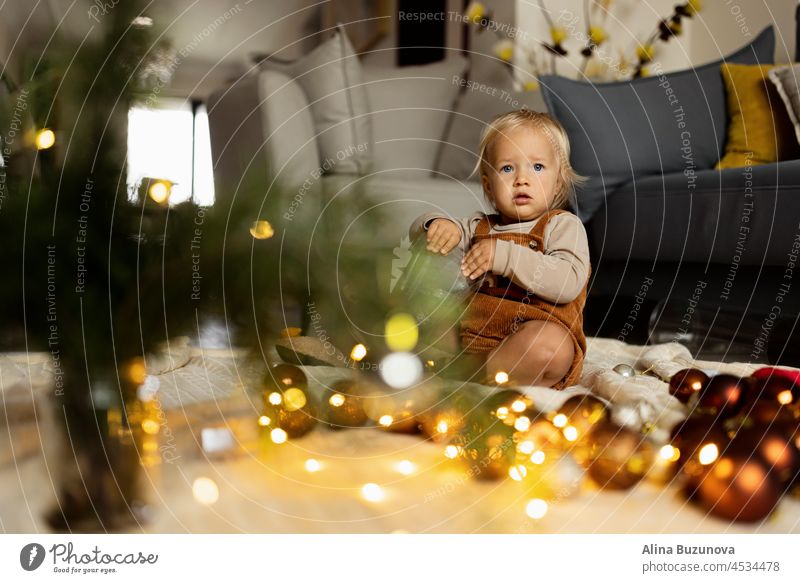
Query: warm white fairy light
x=517 y=472
x=536 y=508
x=400 y=369
x=502 y=413
x=275 y=398
x=159 y=191
x=142 y=21
x=501 y=377
x=358 y=352
x=560 y=420
x=263 y=421
x=526 y=447
x=669 y=453
x=261 y=230
x=312 y=465
x=45 y=138
x=538 y=457
x=386 y=420
x=205 y=491
x=452 y=451
x=570 y=433
x=278 y=435
x=294 y=399
x=150 y=426
x=519 y=406
x=372 y=492
x=785 y=397
x=708 y=454
x=405 y=467
x=522 y=424
x=442 y=426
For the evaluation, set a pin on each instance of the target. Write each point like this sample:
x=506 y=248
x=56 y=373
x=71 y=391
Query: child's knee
x=552 y=356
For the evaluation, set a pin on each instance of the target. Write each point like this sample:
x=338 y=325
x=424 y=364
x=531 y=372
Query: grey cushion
x=476 y=107
x=659 y=219
x=331 y=77
x=410 y=108
x=631 y=129
x=786 y=81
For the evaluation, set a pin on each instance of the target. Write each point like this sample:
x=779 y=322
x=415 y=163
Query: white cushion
x=331 y=77
x=261 y=127
x=786 y=81
x=410 y=110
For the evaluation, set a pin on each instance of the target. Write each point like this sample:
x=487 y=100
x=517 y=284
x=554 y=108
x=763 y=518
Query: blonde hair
x=556 y=135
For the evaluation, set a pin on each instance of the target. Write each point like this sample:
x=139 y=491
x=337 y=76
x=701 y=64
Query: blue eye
x=538 y=167
x=506 y=168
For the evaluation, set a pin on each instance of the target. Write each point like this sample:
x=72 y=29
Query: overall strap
x=541 y=224
x=484 y=226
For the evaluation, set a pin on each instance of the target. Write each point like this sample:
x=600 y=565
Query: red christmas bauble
x=775 y=388
x=693 y=433
x=686 y=383
x=737 y=486
x=774 y=446
x=771 y=371
x=723 y=395
x=768 y=411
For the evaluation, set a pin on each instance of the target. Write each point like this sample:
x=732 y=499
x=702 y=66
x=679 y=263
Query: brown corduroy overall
x=496 y=312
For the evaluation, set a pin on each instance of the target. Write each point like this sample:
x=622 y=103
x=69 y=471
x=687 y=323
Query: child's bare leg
x=538 y=353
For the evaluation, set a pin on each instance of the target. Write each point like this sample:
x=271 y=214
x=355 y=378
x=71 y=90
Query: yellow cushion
x=759 y=128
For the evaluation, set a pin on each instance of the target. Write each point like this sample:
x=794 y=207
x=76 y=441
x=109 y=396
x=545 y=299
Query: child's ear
x=487 y=185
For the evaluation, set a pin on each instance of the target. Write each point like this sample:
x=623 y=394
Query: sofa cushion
x=786 y=81
x=410 y=109
x=664 y=123
x=759 y=128
x=261 y=129
x=331 y=77
x=738 y=216
x=476 y=107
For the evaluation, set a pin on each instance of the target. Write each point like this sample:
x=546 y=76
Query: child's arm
x=559 y=273
x=445 y=233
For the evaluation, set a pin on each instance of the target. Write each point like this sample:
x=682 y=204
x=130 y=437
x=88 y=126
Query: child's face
x=522 y=180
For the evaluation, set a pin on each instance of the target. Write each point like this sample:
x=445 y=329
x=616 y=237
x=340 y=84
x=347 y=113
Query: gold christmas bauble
x=618 y=458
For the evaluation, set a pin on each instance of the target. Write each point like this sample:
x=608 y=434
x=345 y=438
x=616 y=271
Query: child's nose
x=521 y=178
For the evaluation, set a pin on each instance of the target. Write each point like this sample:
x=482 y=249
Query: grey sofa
x=681 y=251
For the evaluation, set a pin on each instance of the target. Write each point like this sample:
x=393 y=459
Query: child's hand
x=479 y=259
x=443 y=236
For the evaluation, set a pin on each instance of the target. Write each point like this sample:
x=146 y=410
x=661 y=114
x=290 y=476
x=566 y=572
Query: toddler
x=533 y=257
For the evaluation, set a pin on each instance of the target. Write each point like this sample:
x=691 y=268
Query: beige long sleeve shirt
x=556 y=274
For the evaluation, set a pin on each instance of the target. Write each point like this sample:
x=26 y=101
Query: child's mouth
x=521 y=198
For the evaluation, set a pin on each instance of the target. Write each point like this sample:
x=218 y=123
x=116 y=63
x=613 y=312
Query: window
x=171 y=142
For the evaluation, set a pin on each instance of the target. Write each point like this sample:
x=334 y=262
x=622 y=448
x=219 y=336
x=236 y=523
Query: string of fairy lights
x=735 y=455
